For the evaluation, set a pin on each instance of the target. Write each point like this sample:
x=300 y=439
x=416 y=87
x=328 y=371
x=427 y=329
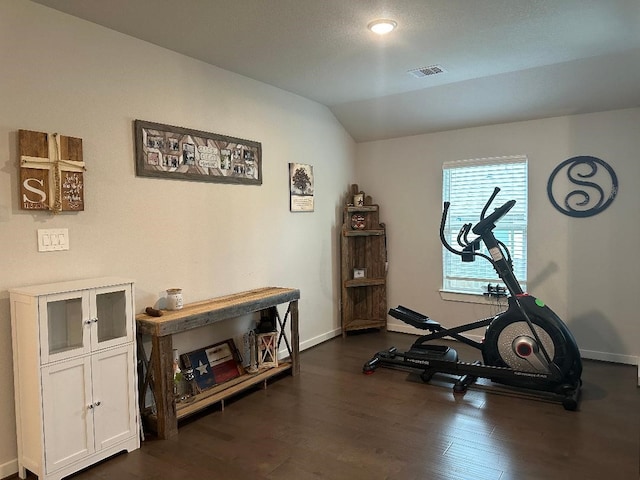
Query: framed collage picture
x=169 y=152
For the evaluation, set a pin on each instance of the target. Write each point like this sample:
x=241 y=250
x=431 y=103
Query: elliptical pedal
x=434 y=352
x=414 y=318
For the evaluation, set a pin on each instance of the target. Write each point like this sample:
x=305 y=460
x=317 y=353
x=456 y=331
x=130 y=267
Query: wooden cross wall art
x=51 y=172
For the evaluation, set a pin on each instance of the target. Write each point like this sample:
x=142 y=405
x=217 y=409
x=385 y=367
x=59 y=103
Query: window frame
x=511 y=175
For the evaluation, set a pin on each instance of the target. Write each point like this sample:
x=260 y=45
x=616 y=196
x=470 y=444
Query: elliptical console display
x=527 y=346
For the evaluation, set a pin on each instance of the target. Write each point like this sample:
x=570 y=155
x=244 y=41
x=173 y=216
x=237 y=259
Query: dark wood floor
x=333 y=422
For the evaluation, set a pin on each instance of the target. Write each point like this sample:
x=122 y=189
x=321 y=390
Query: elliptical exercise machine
x=527 y=346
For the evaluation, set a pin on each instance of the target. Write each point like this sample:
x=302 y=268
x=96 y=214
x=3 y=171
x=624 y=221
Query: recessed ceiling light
x=382 y=26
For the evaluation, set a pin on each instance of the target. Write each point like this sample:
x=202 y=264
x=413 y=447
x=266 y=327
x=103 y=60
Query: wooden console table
x=159 y=375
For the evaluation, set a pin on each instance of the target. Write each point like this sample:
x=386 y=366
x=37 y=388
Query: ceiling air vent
x=427 y=71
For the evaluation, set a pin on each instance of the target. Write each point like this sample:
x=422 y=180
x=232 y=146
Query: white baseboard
x=609 y=357
x=612 y=357
x=312 y=342
x=9 y=468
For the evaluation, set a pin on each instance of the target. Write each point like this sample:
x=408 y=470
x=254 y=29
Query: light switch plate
x=53 y=239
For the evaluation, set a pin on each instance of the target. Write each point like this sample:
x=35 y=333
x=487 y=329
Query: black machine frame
x=527 y=346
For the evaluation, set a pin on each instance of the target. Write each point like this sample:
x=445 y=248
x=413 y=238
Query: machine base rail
x=427 y=360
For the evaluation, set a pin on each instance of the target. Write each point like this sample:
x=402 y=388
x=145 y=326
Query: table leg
x=295 y=339
x=167 y=423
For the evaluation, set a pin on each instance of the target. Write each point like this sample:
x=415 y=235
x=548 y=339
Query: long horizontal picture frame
x=165 y=151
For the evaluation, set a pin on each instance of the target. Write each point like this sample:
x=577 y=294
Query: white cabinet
x=75 y=374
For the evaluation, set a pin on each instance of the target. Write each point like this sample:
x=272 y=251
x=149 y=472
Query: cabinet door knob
x=88 y=322
x=90 y=407
x=97 y=404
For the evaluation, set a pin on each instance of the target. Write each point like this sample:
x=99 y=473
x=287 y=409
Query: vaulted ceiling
x=503 y=60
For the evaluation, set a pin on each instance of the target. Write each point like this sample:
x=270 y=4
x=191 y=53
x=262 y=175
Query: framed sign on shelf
x=165 y=151
x=214 y=364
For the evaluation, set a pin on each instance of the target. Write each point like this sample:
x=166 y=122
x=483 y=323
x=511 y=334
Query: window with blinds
x=467 y=185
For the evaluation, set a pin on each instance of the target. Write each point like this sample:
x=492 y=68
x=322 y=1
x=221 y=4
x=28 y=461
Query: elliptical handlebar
x=443 y=222
x=496 y=190
x=489 y=222
x=486 y=223
x=463 y=235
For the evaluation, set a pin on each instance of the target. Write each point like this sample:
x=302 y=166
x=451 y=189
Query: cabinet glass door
x=65 y=328
x=112 y=314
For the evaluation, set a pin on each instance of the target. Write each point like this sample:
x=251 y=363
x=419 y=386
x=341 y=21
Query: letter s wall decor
x=589 y=185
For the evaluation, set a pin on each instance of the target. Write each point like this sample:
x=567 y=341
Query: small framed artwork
x=214 y=364
x=359 y=273
x=358 y=199
x=301 y=187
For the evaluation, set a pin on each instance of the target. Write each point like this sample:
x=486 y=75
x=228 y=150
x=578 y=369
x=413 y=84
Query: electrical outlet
x=53 y=239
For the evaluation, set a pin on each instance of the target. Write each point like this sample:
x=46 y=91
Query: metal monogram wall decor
x=51 y=172
x=589 y=185
x=165 y=151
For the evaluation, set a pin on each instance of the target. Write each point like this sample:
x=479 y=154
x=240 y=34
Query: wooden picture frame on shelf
x=214 y=364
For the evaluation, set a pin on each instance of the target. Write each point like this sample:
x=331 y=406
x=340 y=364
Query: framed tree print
x=301 y=187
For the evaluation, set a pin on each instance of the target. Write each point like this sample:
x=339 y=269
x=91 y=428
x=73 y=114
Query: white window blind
x=467 y=185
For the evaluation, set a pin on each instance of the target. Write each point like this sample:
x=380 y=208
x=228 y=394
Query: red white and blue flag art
x=213 y=365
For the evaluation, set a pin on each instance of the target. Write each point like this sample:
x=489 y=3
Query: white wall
x=61 y=74
x=585 y=268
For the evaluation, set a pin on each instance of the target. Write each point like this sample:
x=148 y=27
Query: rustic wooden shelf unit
x=364 y=248
x=159 y=375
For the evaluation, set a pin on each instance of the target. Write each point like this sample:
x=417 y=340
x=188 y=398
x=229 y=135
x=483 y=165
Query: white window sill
x=469 y=298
